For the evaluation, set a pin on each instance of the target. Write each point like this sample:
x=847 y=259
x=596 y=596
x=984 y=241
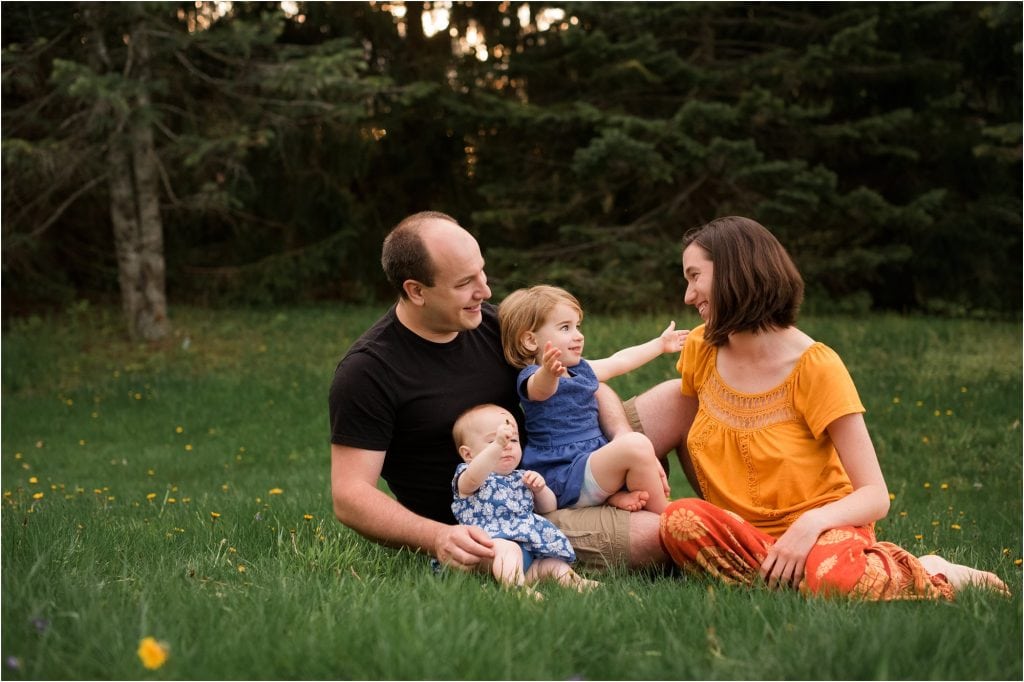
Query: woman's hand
x=784 y=565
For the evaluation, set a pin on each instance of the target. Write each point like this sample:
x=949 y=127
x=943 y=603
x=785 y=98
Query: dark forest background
x=252 y=153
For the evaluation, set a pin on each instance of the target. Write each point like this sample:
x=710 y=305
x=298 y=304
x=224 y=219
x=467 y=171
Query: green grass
x=133 y=448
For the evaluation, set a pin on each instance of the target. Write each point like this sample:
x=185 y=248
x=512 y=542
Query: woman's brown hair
x=755 y=285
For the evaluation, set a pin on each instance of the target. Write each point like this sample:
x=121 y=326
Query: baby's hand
x=534 y=481
x=671 y=340
x=551 y=361
x=504 y=433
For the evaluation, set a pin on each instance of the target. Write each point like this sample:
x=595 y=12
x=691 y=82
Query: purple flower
x=41 y=624
x=13 y=663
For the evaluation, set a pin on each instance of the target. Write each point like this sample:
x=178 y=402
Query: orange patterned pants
x=701 y=538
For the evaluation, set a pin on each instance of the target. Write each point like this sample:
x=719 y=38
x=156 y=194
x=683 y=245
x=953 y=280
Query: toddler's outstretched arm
x=543 y=383
x=626 y=360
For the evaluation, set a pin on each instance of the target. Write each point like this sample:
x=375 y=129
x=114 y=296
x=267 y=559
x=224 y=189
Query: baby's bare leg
x=550 y=568
x=507 y=564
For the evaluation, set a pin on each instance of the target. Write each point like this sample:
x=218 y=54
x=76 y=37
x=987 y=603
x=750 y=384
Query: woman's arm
x=868 y=502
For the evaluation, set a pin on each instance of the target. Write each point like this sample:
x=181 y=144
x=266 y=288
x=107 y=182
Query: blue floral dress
x=503 y=506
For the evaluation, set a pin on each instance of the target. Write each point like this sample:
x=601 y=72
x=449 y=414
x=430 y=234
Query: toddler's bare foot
x=631 y=500
x=576 y=581
x=960 y=576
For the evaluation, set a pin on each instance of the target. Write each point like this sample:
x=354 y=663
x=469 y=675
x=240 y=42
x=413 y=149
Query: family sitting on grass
x=766 y=422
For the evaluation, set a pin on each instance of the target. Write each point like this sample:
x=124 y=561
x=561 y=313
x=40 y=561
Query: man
x=399 y=389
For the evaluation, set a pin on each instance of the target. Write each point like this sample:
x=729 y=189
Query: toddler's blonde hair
x=526 y=310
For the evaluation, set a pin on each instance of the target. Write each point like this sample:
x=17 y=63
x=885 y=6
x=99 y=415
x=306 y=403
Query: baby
x=490 y=492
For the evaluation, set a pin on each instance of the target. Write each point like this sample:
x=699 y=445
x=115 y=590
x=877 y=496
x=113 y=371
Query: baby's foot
x=576 y=581
x=960 y=576
x=631 y=500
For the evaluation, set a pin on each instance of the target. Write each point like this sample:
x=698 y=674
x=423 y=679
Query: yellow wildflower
x=152 y=653
x=179 y=429
x=927 y=484
x=214 y=515
x=37 y=496
x=275 y=491
x=944 y=486
x=308 y=517
x=33 y=479
x=188 y=447
x=955 y=526
x=241 y=568
x=151 y=496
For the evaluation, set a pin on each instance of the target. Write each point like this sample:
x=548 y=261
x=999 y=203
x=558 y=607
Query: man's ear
x=529 y=341
x=414 y=291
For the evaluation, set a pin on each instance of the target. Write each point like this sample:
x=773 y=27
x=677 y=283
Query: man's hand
x=463 y=547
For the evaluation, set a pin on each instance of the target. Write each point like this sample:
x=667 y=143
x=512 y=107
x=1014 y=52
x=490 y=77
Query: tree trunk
x=135 y=214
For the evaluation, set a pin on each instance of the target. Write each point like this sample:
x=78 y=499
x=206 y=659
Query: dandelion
x=1017 y=562
x=241 y=568
x=275 y=491
x=927 y=485
x=935 y=523
x=926 y=440
x=918 y=536
x=937 y=413
x=137 y=396
x=944 y=486
x=955 y=526
x=179 y=429
x=150 y=496
x=307 y=517
x=224 y=488
x=17 y=455
x=33 y=480
x=1006 y=551
x=37 y=496
x=903 y=513
x=39 y=445
x=152 y=653
x=81 y=441
x=69 y=402
x=949 y=413
x=892 y=496
x=171 y=500
x=896 y=400
x=215 y=516
x=188 y=447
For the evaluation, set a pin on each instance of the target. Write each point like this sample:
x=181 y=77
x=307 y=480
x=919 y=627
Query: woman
x=776 y=436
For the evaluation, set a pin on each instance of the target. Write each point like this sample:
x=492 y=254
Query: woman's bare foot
x=574 y=580
x=960 y=576
x=632 y=500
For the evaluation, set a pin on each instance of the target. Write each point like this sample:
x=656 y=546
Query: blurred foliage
x=880 y=141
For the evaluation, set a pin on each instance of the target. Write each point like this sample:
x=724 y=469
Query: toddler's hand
x=534 y=481
x=672 y=340
x=551 y=361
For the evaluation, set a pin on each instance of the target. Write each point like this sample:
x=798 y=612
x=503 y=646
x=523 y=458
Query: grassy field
x=181 y=492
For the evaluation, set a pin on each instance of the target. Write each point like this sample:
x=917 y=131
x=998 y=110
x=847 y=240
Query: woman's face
x=697 y=269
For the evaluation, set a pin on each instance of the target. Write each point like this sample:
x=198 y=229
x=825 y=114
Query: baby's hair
x=459 y=428
x=526 y=310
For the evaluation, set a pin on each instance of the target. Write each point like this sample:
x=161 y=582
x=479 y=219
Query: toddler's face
x=483 y=429
x=562 y=329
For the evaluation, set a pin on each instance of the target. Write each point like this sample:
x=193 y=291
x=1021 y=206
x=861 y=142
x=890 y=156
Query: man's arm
x=666 y=416
x=371 y=512
x=610 y=414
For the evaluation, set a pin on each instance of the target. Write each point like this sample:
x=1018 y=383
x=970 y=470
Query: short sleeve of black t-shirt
x=399 y=393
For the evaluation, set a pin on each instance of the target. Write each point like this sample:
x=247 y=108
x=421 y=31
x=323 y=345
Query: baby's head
x=523 y=313
x=478 y=427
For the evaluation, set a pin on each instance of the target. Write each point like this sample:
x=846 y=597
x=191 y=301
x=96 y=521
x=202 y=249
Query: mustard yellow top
x=767 y=456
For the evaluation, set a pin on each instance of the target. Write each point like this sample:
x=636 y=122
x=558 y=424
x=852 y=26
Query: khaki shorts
x=600 y=535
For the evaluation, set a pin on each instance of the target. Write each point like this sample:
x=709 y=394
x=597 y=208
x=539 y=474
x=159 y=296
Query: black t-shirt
x=396 y=392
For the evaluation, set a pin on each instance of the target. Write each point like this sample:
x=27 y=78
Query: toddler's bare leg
x=630 y=460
